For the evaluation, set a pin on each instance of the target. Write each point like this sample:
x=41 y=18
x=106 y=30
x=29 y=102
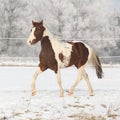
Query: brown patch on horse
x=79 y=54
x=47 y=55
x=61 y=57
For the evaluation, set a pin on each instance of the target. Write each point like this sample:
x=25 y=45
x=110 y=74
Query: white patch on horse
x=90 y=51
x=75 y=41
x=60 y=47
x=31 y=37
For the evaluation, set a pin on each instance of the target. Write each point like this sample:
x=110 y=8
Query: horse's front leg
x=33 y=86
x=60 y=83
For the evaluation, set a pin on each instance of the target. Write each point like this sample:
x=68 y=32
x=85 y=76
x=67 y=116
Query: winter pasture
x=16 y=102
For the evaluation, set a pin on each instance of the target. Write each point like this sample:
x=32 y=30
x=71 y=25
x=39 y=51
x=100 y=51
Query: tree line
x=67 y=19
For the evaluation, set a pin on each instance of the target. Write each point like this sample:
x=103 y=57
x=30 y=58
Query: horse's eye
x=31 y=30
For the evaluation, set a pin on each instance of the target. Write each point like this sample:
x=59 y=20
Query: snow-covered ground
x=16 y=102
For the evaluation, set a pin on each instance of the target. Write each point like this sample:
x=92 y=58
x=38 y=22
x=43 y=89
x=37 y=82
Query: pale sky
x=115 y=4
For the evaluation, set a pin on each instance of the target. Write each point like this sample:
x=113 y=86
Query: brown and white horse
x=56 y=54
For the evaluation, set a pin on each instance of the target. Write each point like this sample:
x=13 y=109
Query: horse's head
x=36 y=32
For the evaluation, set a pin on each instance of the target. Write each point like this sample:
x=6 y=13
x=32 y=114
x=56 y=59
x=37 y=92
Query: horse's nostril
x=29 y=41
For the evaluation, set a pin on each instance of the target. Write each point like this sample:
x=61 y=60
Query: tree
x=12 y=15
x=115 y=25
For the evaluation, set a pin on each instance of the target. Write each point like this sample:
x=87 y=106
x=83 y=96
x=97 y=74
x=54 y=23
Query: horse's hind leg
x=85 y=75
x=79 y=78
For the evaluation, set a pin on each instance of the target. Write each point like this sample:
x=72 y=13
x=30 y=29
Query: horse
x=56 y=54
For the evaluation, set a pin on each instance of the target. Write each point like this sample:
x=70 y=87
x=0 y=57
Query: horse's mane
x=51 y=35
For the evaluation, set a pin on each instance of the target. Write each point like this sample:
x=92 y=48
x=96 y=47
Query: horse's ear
x=41 y=22
x=33 y=23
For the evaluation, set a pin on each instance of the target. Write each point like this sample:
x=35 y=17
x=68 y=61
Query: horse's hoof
x=70 y=93
x=62 y=94
x=91 y=94
x=33 y=93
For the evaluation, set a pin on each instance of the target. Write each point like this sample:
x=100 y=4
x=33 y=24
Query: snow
x=16 y=102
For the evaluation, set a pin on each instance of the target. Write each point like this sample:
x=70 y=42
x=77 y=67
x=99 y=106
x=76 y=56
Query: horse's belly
x=64 y=63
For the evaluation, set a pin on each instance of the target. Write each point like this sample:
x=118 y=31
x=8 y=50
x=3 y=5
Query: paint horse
x=56 y=54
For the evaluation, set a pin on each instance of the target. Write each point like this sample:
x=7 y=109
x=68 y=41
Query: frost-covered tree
x=12 y=20
x=73 y=18
x=68 y=19
x=114 y=23
x=90 y=18
x=40 y=10
x=14 y=11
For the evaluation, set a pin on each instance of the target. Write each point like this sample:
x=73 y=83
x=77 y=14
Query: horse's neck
x=58 y=45
x=52 y=38
x=47 y=33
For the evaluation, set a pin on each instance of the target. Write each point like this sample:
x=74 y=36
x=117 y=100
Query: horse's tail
x=96 y=63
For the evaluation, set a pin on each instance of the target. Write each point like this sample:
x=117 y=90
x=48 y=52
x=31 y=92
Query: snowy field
x=16 y=102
